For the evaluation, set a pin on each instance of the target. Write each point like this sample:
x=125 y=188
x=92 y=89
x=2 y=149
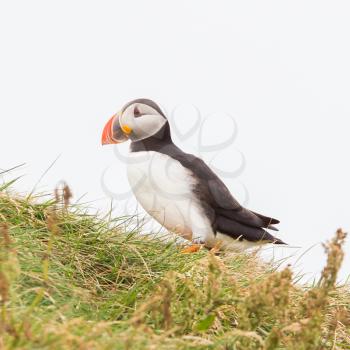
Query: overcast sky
x=280 y=70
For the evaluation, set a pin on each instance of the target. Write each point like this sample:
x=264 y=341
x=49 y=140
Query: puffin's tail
x=279 y=241
x=267 y=221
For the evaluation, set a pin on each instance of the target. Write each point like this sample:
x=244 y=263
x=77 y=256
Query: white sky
x=281 y=69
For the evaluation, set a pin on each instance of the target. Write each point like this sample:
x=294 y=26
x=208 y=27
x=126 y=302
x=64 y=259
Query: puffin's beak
x=112 y=132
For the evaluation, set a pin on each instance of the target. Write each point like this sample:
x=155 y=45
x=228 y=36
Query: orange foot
x=191 y=249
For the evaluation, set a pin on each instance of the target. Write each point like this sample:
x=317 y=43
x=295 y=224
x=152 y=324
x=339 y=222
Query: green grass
x=70 y=280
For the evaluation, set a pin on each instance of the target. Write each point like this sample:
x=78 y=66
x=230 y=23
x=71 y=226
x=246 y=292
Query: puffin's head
x=138 y=120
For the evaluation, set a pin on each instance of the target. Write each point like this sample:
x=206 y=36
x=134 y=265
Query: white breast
x=164 y=189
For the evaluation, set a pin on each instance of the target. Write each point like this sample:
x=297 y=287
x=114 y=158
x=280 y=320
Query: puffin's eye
x=137 y=112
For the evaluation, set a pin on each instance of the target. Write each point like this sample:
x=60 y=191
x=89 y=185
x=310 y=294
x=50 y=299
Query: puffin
x=178 y=189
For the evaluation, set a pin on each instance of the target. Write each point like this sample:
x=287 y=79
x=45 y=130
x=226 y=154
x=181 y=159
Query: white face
x=141 y=121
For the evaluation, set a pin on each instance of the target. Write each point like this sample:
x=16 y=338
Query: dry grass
x=69 y=280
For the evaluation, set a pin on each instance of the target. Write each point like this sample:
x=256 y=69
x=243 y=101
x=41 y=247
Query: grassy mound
x=69 y=280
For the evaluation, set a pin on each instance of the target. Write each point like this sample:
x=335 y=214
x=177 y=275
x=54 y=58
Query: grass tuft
x=70 y=280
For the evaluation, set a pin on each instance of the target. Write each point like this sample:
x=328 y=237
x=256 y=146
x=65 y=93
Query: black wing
x=225 y=212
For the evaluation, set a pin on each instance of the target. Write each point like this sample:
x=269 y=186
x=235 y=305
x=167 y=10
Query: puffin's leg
x=196 y=245
x=193 y=248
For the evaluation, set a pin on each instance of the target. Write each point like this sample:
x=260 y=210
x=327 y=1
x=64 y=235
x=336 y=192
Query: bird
x=178 y=189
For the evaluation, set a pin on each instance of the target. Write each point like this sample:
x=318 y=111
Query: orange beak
x=112 y=132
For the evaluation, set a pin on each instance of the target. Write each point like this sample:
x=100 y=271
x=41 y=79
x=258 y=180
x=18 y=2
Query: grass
x=70 y=280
